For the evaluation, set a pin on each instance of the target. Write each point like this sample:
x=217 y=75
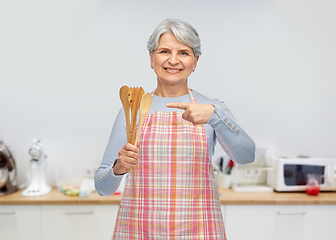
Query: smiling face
x=173 y=62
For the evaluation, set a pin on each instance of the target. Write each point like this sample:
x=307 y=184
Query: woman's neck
x=171 y=90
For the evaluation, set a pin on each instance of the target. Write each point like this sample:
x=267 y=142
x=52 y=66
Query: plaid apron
x=172 y=194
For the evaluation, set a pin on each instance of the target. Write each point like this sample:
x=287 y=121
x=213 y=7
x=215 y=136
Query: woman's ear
x=151 y=59
x=195 y=62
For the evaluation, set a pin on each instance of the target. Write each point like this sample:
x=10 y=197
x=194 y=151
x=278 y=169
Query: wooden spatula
x=124 y=100
x=135 y=95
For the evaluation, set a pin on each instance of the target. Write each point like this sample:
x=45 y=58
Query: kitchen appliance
x=8 y=173
x=290 y=174
x=38 y=184
x=252 y=177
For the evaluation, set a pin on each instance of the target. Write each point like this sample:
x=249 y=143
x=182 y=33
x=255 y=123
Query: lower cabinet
x=20 y=222
x=87 y=222
x=51 y=222
x=78 y=222
x=223 y=212
x=278 y=222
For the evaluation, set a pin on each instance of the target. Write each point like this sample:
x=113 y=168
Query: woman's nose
x=173 y=59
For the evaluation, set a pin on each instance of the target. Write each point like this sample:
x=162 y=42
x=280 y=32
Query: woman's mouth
x=173 y=70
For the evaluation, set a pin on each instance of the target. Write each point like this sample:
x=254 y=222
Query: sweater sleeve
x=232 y=138
x=106 y=183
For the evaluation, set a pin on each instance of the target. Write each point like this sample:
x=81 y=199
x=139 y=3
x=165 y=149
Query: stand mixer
x=38 y=185
x=7 y=171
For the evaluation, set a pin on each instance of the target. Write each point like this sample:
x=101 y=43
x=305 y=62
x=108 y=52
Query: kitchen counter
x=228 y=197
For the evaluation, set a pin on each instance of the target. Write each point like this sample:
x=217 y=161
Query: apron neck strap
x=191 y=95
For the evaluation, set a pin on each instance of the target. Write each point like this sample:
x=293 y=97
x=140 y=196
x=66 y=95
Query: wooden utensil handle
x=138 y=133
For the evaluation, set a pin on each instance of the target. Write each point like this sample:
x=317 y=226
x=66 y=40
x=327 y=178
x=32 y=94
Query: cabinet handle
x=291 y=213
x=77 y=213
x=7 y=213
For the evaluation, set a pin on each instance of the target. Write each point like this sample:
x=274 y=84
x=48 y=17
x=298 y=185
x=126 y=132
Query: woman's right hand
x=127 y=160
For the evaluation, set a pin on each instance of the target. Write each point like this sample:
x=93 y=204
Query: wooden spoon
x=129 y=95
x=123 y=92
x=145 y=105
x=135 y=98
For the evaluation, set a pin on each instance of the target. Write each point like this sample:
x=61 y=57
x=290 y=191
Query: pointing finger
x=183 y=106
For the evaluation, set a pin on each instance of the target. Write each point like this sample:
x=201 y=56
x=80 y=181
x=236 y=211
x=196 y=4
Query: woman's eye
x=164 y=51
x=184 y=53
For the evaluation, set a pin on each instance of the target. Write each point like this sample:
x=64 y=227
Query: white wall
x=63 y=62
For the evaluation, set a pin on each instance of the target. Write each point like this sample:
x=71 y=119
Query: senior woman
x=171 y=193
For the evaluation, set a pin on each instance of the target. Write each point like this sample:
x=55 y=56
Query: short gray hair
x=183 y=31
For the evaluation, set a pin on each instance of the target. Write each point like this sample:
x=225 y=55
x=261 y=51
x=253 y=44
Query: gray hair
x=183 y=31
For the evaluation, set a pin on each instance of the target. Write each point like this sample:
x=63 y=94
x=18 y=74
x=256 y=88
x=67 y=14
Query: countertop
x=228 y=196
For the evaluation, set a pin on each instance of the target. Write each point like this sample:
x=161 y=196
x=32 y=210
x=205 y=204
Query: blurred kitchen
x=63 y=63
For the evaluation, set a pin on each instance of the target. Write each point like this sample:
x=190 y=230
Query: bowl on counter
x=70 y=187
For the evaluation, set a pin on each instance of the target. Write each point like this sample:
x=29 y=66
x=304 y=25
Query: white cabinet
x=223 y=212
x=278 y=222
x=78 y=222
x=18 y=222
x=320 y=223
x=49 y=222
x=87 y=222
x=248 y=222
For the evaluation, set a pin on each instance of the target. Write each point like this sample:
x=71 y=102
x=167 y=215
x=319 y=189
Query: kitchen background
x=63 y=63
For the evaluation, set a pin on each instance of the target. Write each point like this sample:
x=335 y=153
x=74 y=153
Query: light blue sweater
x=221 y=126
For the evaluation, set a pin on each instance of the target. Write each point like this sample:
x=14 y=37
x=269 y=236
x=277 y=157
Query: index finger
x=130 y=147
x=179 y=105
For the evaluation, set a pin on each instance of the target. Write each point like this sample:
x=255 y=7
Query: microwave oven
x=290 y=174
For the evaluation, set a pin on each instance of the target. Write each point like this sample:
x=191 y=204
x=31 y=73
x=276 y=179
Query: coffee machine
x=8 y=173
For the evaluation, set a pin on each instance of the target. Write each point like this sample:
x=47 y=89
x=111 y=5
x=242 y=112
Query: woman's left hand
x=194 y=112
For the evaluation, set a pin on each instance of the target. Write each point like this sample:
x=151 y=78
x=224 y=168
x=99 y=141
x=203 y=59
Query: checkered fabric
x=172 y=194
